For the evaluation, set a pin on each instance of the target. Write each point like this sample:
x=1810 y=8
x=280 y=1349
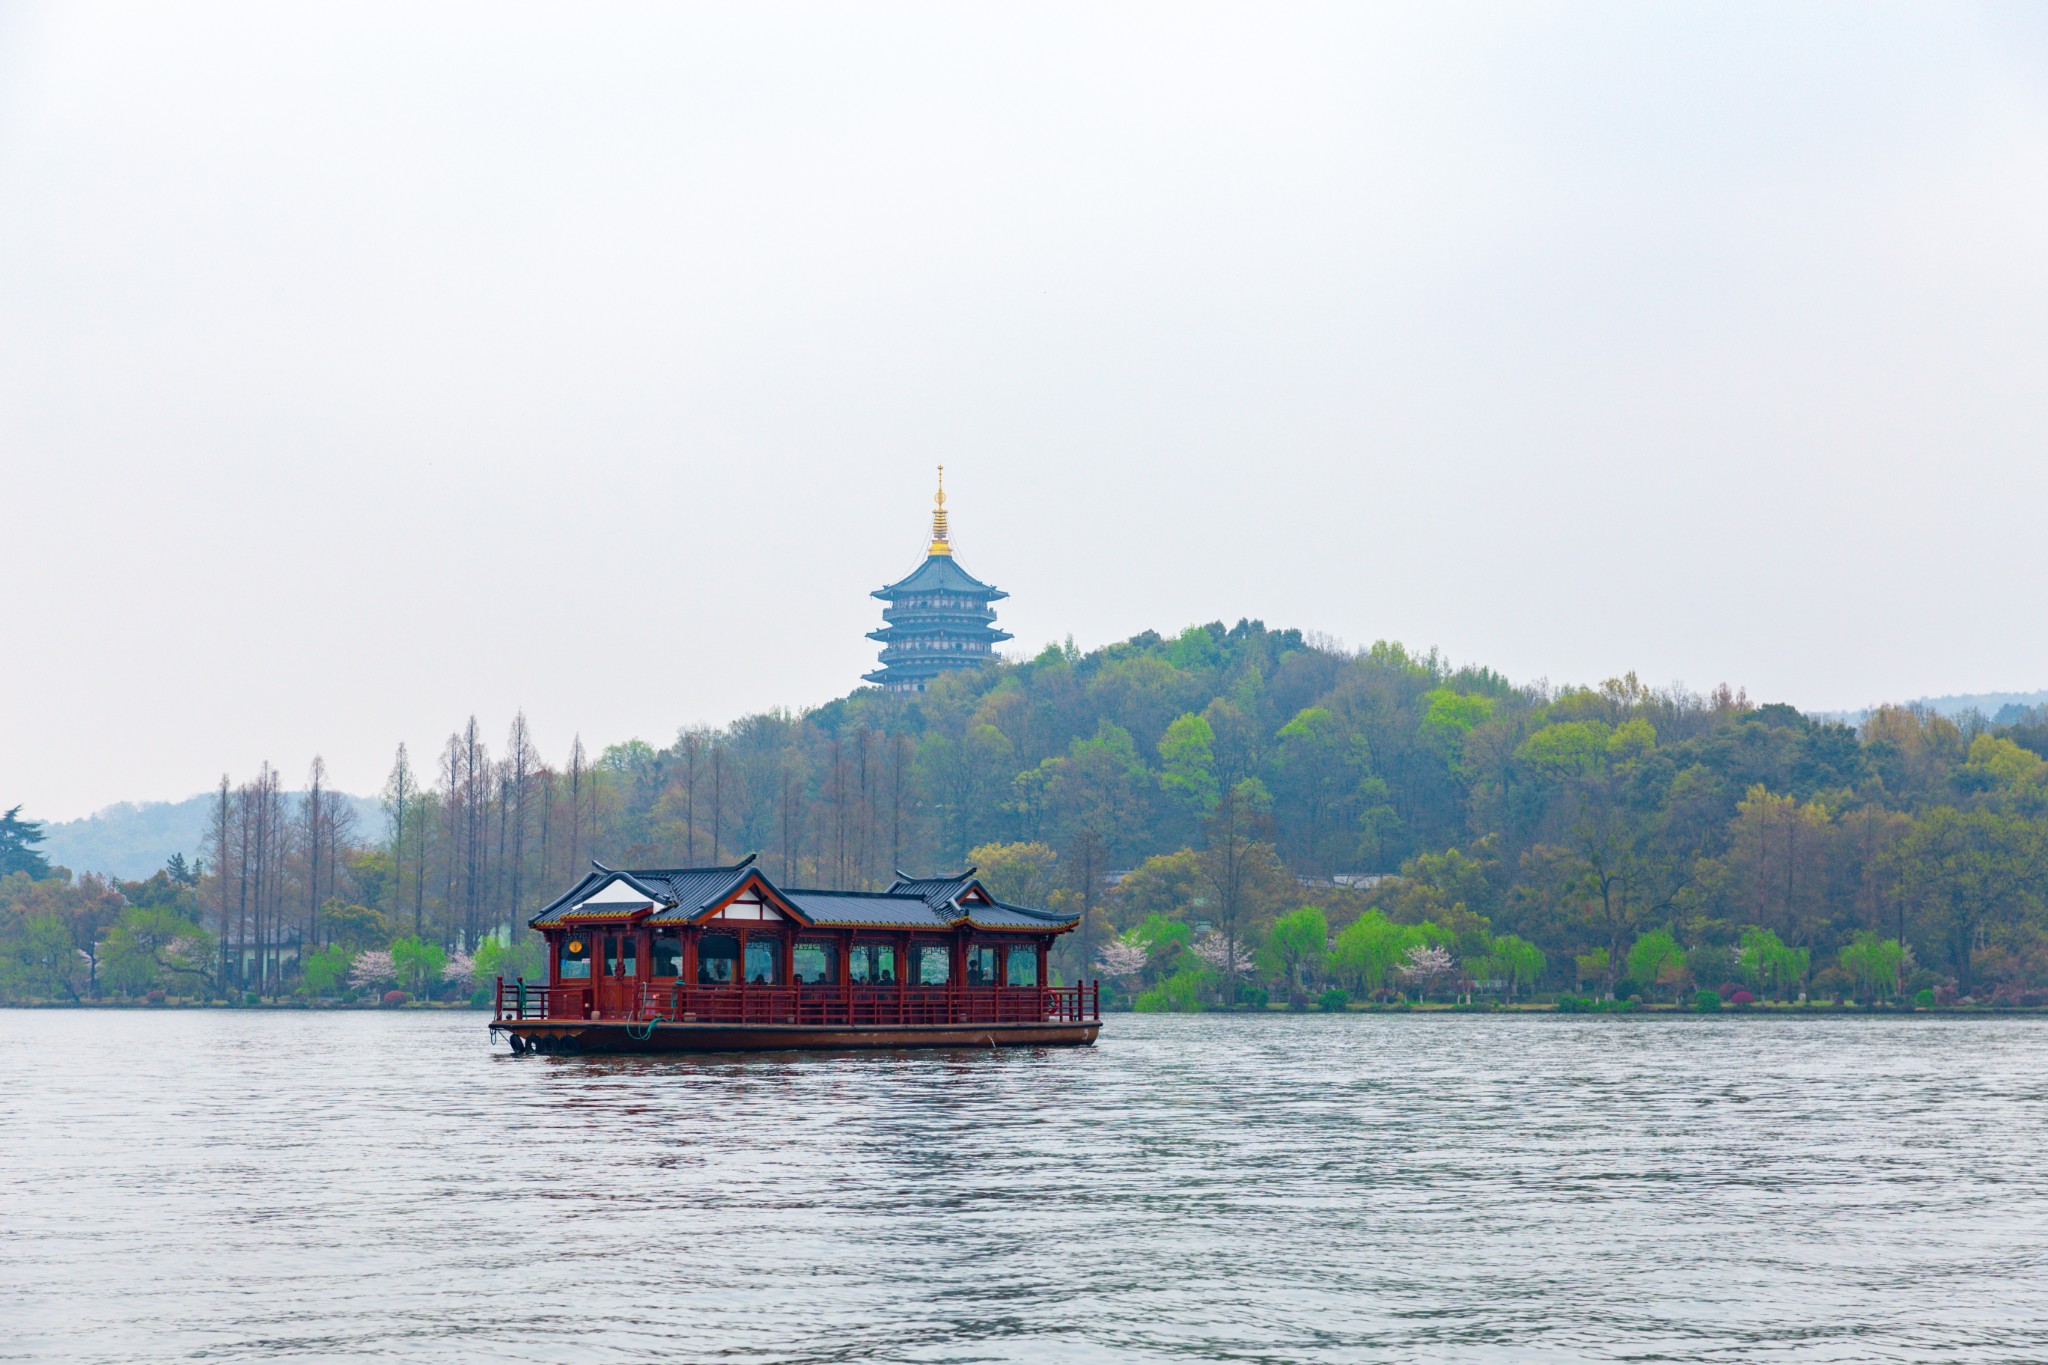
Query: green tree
x=1319 y=758
x=418 y=964
x=1657 y=960
x=355 y=926
x=1094 y=797
x=18 y=838
x=1967 y=873
x=1875 y=964
x=40 y=962
x=150 y=946
x=1368 y=949
x=325 y=970
x=1593 y=966
x=1769 y=965
x=1180 y=993
x=1245 y=876
x=1019 y=873
x=1520 y=961
x=1296 y=945
x=1187 y=765
x=1171 y=885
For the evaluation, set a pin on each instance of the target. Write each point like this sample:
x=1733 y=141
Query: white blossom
x=461 y=967
x=1215 y=950
x=372 y=968
x=1428 y=964
x=1121 y=959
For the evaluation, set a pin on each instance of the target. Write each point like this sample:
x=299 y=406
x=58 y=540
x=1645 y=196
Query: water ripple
x=260 y=1186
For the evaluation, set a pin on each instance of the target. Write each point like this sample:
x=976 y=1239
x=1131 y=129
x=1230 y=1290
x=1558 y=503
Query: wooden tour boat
x=718 y=959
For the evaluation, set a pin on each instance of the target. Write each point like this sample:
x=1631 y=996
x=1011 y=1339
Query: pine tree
x=17 y=840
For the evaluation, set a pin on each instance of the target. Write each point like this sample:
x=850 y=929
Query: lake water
x=241 y=1186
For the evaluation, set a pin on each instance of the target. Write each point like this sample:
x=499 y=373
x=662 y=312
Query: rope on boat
x=648 y=1030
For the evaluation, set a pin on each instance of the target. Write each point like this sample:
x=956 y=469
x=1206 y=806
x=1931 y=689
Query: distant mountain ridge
x=1993 y=705
x=133 y=839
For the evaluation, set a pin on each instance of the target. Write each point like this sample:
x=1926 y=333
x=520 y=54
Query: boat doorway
x=618 y=973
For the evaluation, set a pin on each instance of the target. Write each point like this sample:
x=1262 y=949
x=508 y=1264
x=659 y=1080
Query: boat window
x=812 y=964
x=873 y=964
x=629 y=955
x=718 y=957
x=981 y=965
x=1023 y=966
x=667 y=957
x=763 y=956
x=575 y=963
x=932 y=961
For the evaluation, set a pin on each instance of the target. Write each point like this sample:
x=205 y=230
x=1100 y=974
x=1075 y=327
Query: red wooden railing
x=843 y=1004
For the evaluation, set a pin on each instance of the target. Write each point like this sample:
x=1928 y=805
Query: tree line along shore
x=1243 y=817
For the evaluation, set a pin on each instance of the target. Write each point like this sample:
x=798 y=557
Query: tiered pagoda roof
x=939 y=616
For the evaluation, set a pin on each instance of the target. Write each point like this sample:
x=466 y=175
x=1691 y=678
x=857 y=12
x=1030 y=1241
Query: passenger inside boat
x=812 y=964
x=665 y=958
x=872 y=964
x=718 y=958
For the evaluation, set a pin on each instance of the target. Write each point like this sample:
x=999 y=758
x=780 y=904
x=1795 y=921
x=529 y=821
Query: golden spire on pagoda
x=939 y=545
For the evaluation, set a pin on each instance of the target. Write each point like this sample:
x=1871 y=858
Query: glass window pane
x=575 y=964
x=873 y=964
x=667 y=956
x=629 y=955
x=812 y=964
x=611 y=954
x=763 y=956
x=1023 y=967
x=981 y=966
x=932 y=963
x=718 y=959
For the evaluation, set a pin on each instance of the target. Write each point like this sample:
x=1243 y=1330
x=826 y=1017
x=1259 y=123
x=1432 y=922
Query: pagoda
x=939 y=618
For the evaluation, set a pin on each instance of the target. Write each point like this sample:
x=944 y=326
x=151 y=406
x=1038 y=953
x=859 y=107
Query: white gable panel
x=749 y=910
x=615 y=893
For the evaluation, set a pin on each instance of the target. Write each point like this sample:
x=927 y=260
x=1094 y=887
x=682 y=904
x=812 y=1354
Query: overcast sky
x=362 y=367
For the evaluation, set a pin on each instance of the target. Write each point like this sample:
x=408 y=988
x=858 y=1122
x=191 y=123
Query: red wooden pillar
x=844 y=976
x=904 y=967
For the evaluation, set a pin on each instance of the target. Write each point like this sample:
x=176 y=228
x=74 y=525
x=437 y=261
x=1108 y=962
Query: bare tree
x=401 y=793
x=717 y=794
x=522 y=762
x=220 y=840
x=690 y=746
x=313 y=834
x=579 y=778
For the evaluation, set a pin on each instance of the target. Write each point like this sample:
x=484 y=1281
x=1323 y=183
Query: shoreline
x=1385 y=1011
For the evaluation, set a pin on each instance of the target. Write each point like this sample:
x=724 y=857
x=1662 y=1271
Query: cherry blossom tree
x=1121 y=960
x=372 y=968
x=1217 y=951
x=1427 y=965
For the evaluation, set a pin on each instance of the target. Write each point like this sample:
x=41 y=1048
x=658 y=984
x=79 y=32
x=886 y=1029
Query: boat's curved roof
x=684 y=894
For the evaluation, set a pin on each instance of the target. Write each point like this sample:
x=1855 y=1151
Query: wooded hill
x=1200 y=787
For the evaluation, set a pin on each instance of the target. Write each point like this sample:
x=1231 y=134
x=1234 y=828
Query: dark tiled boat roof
x=934 y=891
x=683 y=893
x=866 y=908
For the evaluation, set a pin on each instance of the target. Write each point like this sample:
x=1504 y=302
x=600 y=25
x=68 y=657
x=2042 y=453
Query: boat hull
x=611 y=1036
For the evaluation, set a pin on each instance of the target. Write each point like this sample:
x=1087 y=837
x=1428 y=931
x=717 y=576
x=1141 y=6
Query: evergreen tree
x=18 y=838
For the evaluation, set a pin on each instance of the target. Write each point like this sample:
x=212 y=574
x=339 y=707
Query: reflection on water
x=252 y=1185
